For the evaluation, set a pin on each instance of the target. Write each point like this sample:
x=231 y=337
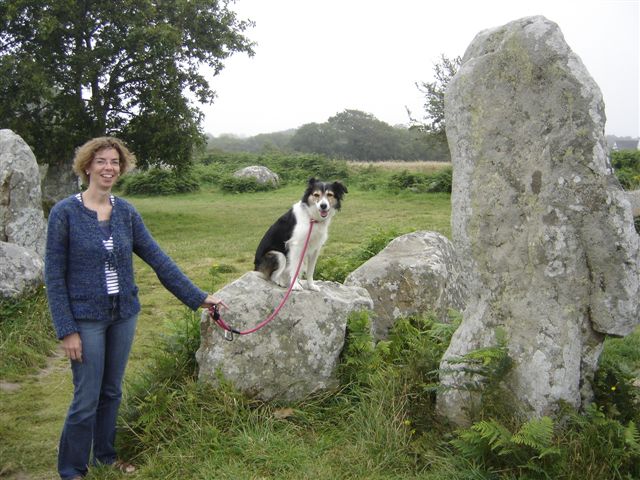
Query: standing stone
x=21 y=217
x=545 y=230
x=415 y=274
x=294 y=355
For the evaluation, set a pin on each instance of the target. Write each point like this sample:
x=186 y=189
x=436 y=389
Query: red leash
x=214 y=310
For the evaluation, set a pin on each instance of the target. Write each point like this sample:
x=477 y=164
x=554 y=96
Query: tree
x=363 y=137
x=71 y=70
x=318 y=138
x=433 y=122
x=352 y=135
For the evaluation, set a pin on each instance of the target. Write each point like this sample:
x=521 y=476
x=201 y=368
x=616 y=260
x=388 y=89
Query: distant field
x=396 y=165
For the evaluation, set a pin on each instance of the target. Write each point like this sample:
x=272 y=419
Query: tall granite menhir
x=543 y=227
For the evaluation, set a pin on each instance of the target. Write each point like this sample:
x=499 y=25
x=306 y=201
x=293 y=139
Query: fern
x=536 y=433
x=496 y=435
x=530 y=451
x=359 y=356
x=632 y=437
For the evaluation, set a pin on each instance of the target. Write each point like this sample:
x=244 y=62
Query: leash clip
x=214 y=311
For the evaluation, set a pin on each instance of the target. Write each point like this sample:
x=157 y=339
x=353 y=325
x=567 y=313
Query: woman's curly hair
x=86 y=153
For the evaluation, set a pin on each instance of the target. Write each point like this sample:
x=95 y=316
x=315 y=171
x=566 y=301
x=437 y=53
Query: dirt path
x=31 y=412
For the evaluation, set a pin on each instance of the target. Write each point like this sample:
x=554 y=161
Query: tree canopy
x=72 y=70
x=356 y=135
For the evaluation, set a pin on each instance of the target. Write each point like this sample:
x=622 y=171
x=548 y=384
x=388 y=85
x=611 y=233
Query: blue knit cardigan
x=75 y=260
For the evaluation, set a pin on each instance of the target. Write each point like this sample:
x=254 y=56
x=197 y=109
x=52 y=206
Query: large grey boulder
x=21 y=217
x=290 y=358
x=415 y=274
x=22 y=270
x=544 y=229
x=259 y=173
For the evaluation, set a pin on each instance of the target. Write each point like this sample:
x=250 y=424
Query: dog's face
x=323 y=199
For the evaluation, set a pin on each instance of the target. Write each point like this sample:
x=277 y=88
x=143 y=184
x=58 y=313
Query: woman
x=94 y=300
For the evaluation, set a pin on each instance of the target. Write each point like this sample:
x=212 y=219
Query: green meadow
x=380 y=423
x=201 y=231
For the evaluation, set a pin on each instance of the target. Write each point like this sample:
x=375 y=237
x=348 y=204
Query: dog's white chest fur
x=319 y=233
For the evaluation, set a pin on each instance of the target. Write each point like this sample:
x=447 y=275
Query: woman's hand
x=72 y=346
x=211 y=300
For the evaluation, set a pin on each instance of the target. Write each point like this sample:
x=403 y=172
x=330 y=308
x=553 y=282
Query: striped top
x=110 y=271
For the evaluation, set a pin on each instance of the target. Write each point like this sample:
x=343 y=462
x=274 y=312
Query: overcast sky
x=316 y=58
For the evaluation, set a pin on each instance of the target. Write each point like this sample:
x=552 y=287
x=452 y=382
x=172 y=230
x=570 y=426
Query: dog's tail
x=270 y=262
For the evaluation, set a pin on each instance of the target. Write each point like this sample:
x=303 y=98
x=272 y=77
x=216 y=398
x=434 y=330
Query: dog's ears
x=312 y=181
x=339 y=189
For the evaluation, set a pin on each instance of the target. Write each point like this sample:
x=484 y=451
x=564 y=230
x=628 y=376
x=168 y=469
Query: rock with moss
x=262 y=175
x=544 y=229
x=416 y=274
x=21 y=216
x=22 y=270
x=293 y=356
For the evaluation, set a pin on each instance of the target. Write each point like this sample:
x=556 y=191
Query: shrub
x=439 y=181
x=615 y=387
x=628 y=178
x=208 y=174
x=158 y=181
x=626 y=164
x=291 y=168
x=626 y=159
x=597 y=447
x=231 y=184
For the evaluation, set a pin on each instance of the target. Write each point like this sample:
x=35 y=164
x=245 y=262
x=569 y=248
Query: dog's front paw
x=312 y=286
x=281 y=282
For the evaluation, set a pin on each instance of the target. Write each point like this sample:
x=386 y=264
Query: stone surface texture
x=22 y=270
x=415 y=274
x=544 y=231
x=21 y=217
x=261 y=174
x=293 y=356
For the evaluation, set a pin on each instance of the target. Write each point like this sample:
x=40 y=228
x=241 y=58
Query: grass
x=379 y=425
x=25 y=341
x=200 y=231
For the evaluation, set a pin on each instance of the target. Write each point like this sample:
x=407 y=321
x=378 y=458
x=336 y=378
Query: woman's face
x=104 y=168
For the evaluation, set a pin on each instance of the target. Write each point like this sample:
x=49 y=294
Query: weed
x=616 y=385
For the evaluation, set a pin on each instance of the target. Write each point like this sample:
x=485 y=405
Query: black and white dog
x=278 y=254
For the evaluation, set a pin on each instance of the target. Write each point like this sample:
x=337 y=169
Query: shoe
x=124 y=467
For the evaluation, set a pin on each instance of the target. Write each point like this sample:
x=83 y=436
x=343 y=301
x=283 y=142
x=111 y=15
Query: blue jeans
x=97 y=381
